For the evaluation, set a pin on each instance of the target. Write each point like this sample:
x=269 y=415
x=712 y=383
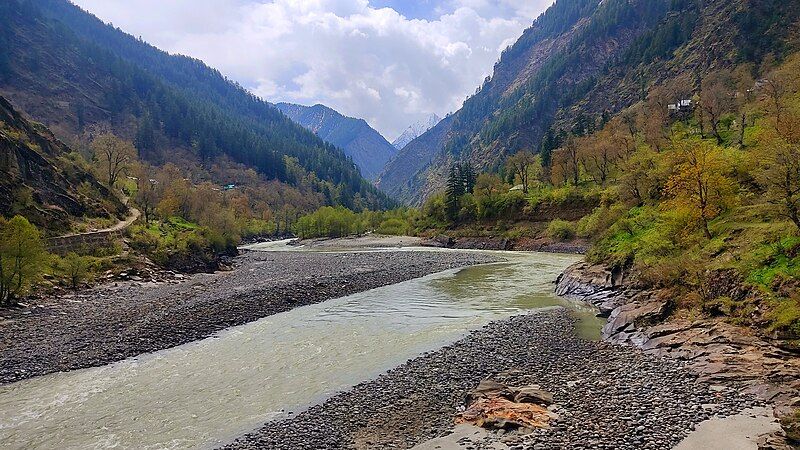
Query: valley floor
x=605 y=395
x=114 y=322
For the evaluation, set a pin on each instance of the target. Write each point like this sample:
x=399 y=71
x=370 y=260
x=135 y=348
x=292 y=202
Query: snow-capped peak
x=416 y=130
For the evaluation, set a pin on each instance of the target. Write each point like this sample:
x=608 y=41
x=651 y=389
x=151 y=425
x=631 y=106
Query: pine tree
x=453 y=192
x=468 y=176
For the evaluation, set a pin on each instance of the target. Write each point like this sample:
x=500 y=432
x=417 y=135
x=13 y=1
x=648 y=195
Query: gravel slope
x=609 y=396
x=112 y=323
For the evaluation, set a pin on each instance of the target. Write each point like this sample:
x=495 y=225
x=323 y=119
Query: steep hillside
x=40 y=180
x=585 y=60
x=67 y=69
x=416 y=130
x=368 y=149
x=406 y=172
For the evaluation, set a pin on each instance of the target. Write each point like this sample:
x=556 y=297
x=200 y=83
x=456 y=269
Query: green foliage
x=461 y=181
x=329 y=222
x=394 y=227
x=23 y=257
x=561 y=230
x=624 y=238
x=74 y=267
x=434 y=213
x=339 y=222
x=600 y=220
x=763 y=28
x=785 y=316
x=176 y=101
x=778 y=260
x=180 y=244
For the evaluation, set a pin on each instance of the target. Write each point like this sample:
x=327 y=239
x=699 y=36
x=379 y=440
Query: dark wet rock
x=715 y=350
x=593 y=284
x=440 y=241
x=533 y=394
x=482 y=243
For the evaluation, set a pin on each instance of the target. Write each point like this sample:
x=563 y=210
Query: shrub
x=23 y=257
x=561 y=230
x=74 y=267
x=394 y=227
x=600 y=220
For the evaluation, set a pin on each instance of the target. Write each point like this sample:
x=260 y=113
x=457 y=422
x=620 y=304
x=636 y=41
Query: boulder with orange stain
x=495 y=406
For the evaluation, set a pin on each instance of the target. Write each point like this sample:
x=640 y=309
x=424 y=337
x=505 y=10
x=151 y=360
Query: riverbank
x=717 y=351
x=113 y=322
x=606 y=396
x=542 y=244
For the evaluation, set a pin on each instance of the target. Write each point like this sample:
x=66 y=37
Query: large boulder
x=494 y=405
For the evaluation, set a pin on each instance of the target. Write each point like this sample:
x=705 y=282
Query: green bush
x=599 y=221
x=180 y=244
x=23 y=257
x=394 y=227
x=74 y=268
x=561 y=230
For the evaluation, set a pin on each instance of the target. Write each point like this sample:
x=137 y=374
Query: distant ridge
x=582 y=62
x=368 y=149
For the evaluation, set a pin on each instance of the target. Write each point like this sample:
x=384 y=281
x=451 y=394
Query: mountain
x=368 y=149
x=39 y=179
x=411 y=163
x=416 y=130
x=581 y=62
x=67 y=69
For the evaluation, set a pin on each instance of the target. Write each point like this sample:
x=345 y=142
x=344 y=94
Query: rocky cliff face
x=39 y=180
x=368 y=149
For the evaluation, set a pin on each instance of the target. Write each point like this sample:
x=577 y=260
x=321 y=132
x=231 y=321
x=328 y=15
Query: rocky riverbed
x=606 y=396
x=114 y=322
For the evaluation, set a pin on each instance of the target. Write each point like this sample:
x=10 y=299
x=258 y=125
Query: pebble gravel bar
x=607 y=396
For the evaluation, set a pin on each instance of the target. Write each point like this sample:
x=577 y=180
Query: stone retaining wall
x=65 y=244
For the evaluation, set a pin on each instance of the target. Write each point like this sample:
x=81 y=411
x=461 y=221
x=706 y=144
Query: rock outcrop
x=717 y=351
x=593 y=284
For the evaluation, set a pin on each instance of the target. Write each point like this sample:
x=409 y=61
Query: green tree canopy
x=22 y=257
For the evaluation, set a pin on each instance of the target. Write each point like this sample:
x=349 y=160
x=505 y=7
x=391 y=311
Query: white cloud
x=361 y=60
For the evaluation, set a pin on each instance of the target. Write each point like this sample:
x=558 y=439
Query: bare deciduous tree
x=113 y=157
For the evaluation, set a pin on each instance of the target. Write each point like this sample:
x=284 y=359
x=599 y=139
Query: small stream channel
x=205 y=393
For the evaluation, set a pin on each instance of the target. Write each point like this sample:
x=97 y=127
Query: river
x=205 y=393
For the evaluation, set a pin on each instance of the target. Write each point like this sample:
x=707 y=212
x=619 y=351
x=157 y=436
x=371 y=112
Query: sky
x=390 y=62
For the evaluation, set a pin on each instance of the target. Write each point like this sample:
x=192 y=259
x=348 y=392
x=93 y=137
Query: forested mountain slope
x=368 y=149
x=38 y=178
x=581 y=62
x=66 y=68
x=401 y=176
